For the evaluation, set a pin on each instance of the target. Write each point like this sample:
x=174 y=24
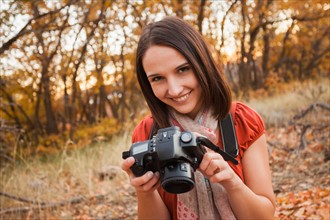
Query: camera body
x=175 y=154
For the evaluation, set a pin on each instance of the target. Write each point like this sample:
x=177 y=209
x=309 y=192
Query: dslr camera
x=175 y=155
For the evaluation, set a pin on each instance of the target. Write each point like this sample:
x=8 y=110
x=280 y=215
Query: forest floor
x=299 y=160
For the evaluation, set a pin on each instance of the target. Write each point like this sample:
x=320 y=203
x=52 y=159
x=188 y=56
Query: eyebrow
x=152 y=75
x=182 y=65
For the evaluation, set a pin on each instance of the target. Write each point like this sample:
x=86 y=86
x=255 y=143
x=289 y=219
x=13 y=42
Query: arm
x=254 y=199
x=150 y=204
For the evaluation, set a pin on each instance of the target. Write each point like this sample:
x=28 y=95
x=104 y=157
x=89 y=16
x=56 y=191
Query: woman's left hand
x=217 y=170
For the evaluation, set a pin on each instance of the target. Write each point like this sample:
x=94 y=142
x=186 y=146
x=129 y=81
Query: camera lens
x=178 y=178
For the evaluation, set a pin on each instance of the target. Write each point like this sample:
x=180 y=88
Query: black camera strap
x=226 y=156
x=228 y=135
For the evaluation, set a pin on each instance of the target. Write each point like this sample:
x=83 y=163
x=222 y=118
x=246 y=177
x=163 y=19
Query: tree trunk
x=51 y=126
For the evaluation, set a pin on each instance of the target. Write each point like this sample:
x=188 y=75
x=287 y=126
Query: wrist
x=233 y=184
x=145 y=194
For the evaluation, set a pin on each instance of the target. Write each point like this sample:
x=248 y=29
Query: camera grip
x=137 y=170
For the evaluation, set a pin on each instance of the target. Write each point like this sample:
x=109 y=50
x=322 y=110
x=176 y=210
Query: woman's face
x=172 y=79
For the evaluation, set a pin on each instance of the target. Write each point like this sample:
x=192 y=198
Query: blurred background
x=68 y=86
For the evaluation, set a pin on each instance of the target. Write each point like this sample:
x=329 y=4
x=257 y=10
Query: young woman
x=184 y=87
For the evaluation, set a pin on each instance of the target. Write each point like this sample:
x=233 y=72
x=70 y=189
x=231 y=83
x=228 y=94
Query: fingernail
x=149 y=174
x=157 y=174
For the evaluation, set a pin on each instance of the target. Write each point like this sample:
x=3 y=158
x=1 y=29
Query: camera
x=174 y=154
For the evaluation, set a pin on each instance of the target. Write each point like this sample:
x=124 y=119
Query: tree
x=72 y=63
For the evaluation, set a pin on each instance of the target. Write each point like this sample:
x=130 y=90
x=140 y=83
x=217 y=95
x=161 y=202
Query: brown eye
x=184 y=69
x=156 y=78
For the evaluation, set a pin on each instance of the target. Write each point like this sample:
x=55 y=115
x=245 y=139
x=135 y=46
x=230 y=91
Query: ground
x=300 y=179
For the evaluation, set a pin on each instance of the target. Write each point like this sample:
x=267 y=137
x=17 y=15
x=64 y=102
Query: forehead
x=158 y=58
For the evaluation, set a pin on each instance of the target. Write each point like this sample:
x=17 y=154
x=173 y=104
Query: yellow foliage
x=102 y=131
x=83 y=135
x=258 y=94
x=41 y=149
x=272 y=80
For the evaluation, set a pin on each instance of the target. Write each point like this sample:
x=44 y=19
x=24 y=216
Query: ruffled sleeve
x=142 y=130
x=249 y=125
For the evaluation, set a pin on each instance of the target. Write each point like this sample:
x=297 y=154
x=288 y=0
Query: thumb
x=127 y=163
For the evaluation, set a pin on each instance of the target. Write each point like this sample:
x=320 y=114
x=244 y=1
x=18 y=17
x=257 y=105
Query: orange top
x=248 y=126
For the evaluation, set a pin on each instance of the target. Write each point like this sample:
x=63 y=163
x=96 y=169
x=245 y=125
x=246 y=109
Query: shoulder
x=142 y=129
x=249 y=125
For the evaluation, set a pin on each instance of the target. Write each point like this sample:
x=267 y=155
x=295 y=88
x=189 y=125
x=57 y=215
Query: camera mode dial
x=186 y=137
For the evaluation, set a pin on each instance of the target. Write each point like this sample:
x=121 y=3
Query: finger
x=207 y=158
x=213 y=167
x=224 y=175
x=139 y=181
x=126 y=164
x=152 y=183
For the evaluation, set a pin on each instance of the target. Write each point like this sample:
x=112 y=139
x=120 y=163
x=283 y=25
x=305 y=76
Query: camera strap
x=207 y=143
x=228 y=136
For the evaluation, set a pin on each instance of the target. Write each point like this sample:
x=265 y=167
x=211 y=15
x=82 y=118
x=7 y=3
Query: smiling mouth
x=182 y=98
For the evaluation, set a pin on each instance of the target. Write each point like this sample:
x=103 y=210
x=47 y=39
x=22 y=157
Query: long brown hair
x=176 y=33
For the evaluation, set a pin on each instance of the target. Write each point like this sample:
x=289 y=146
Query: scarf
x=206 y=200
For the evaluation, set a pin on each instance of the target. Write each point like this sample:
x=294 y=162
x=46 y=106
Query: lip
x=183 y=98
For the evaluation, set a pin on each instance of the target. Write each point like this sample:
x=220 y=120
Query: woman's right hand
x=146 y=183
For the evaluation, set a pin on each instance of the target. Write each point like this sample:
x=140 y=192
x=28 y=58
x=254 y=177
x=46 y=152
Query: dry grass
x=66 y=176
x=279 y=109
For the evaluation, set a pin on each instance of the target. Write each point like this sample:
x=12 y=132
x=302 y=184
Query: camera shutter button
x=186 y=137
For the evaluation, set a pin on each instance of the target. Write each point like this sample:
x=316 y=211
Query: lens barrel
x=178 y=178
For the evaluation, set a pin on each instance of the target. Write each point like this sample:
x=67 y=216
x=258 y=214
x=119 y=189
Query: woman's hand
x=218 y=170
x=150 y=204
x=146 y=183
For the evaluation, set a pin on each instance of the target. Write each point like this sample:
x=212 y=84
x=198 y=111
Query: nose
x=174 y=87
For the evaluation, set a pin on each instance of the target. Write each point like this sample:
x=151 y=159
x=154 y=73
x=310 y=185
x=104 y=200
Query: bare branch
x=310 y=108
x=24 y=30
x=43 y=205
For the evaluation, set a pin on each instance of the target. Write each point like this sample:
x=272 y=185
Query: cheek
x=192 y=79
x=195 y=84
x=159 y=91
